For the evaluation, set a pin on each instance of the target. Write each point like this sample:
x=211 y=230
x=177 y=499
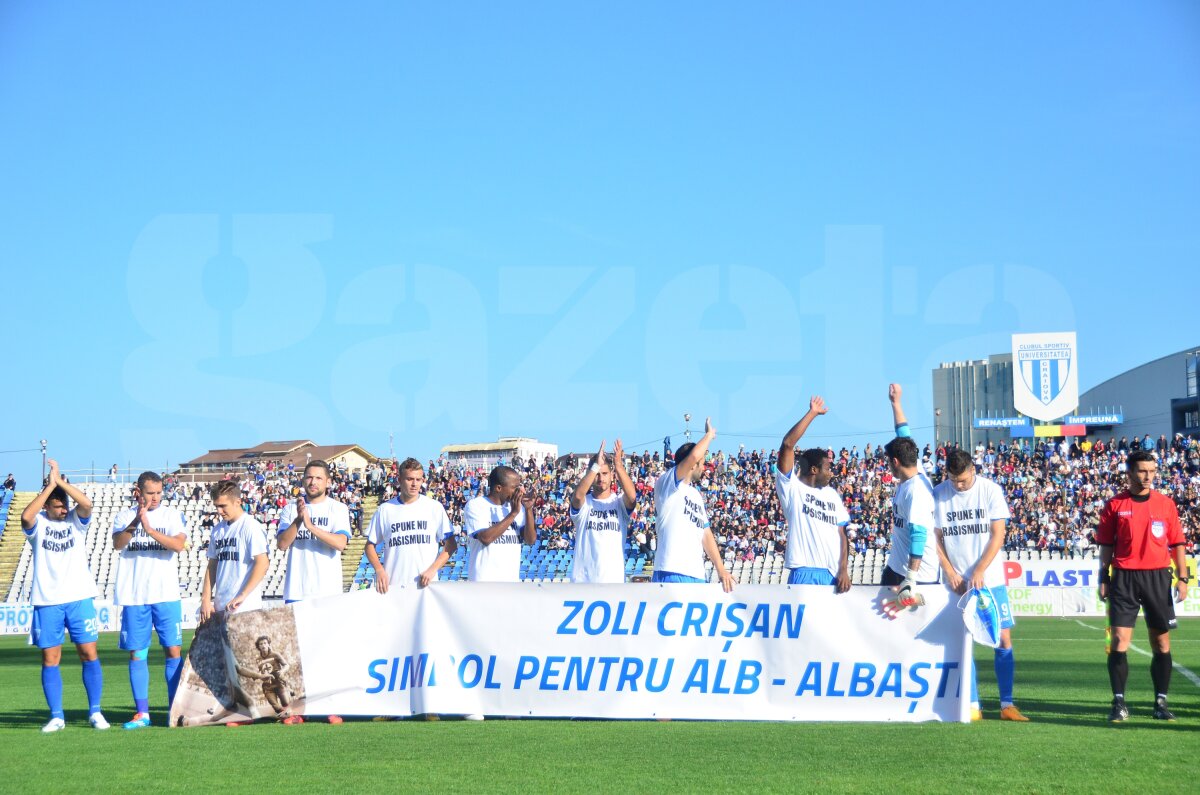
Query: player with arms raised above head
x=817 y=550
x=684 y=534
x=63 y=593
x=970 y=517
x=601 y=519
x=150 y=538
x=913 y=559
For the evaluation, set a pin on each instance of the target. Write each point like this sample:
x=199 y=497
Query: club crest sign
x=1046 y=381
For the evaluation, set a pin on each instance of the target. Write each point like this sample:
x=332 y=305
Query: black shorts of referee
x=1148 y=589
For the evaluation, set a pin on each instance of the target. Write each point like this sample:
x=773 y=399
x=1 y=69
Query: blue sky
x=574 y=221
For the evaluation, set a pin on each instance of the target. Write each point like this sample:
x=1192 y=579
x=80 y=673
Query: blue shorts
x=808 y=575
x=166 y=617
x=1000 y=594
x=670 y=576
x=78 y=618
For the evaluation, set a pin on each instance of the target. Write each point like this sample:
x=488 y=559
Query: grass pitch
x=1062 y=685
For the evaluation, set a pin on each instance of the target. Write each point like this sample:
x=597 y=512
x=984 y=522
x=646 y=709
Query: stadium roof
x=295 y=452
x=481 y=447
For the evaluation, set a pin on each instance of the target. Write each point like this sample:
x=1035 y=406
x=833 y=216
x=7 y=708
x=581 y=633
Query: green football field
x=1062 y=685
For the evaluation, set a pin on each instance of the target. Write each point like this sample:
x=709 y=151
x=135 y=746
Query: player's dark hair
x=148 y=477
x=261 y=638
x=903 y=449
x=1139 y=457
x=683 y=451
x=319 y=463
x=500 y=475
x=226 y=488
x=410 y=463
x=958 y=462
x=813 y=458
x=60 y=494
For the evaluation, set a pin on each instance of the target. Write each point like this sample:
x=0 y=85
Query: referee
x=1139 y=531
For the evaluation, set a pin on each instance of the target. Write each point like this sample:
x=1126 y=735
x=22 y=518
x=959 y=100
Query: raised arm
x=29 y=515
x=174 y=543
x=628 y=492
x=83 y=505
x=684 y=468
x=304 y=519
x=585 y=483
x=492 y=532
x=895 y=392
x=787 y=448
x=529 y=532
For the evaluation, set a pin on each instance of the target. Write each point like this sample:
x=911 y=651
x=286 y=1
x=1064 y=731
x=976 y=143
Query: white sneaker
x=97 y=720
x=473 y=716
x=55 y=725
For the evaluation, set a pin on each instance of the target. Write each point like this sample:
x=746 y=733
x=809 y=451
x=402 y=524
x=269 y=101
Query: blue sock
x=1005 y=667
x=174 y=668
x=139 y=681
x=93 y=683
x=974 y=684
x=52 y=687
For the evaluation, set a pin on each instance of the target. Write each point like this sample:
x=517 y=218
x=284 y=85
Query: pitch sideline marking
x=1187 y=674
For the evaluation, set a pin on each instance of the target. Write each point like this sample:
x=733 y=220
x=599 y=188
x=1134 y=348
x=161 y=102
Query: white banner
x=1045 y=375
x=786 y=653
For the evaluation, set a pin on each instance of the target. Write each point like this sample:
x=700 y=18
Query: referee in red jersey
x=1139 y=531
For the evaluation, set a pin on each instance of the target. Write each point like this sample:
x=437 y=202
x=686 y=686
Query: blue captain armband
x=916 y=540
x=902 y=431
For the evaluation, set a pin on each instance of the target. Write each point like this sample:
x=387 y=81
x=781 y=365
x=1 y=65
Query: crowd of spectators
x=1055 y=491
x=267 y=488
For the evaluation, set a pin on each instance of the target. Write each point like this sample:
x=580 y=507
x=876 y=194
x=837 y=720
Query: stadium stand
x=1055 y=492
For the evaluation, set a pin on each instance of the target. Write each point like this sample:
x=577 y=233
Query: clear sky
x=235 y=222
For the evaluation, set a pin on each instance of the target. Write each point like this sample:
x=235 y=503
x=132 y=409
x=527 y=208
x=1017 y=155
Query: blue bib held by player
x=981 y=616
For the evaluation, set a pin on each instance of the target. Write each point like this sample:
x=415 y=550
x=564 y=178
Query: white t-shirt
x=234 y=547
x=601 y=527
x=60 y=560
x=409 y=537
x=313 y=567
x=682 y=523
x=912 y=504
x=965 y=519
x=814 y=519
x=499 y=561
x=148 y=572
